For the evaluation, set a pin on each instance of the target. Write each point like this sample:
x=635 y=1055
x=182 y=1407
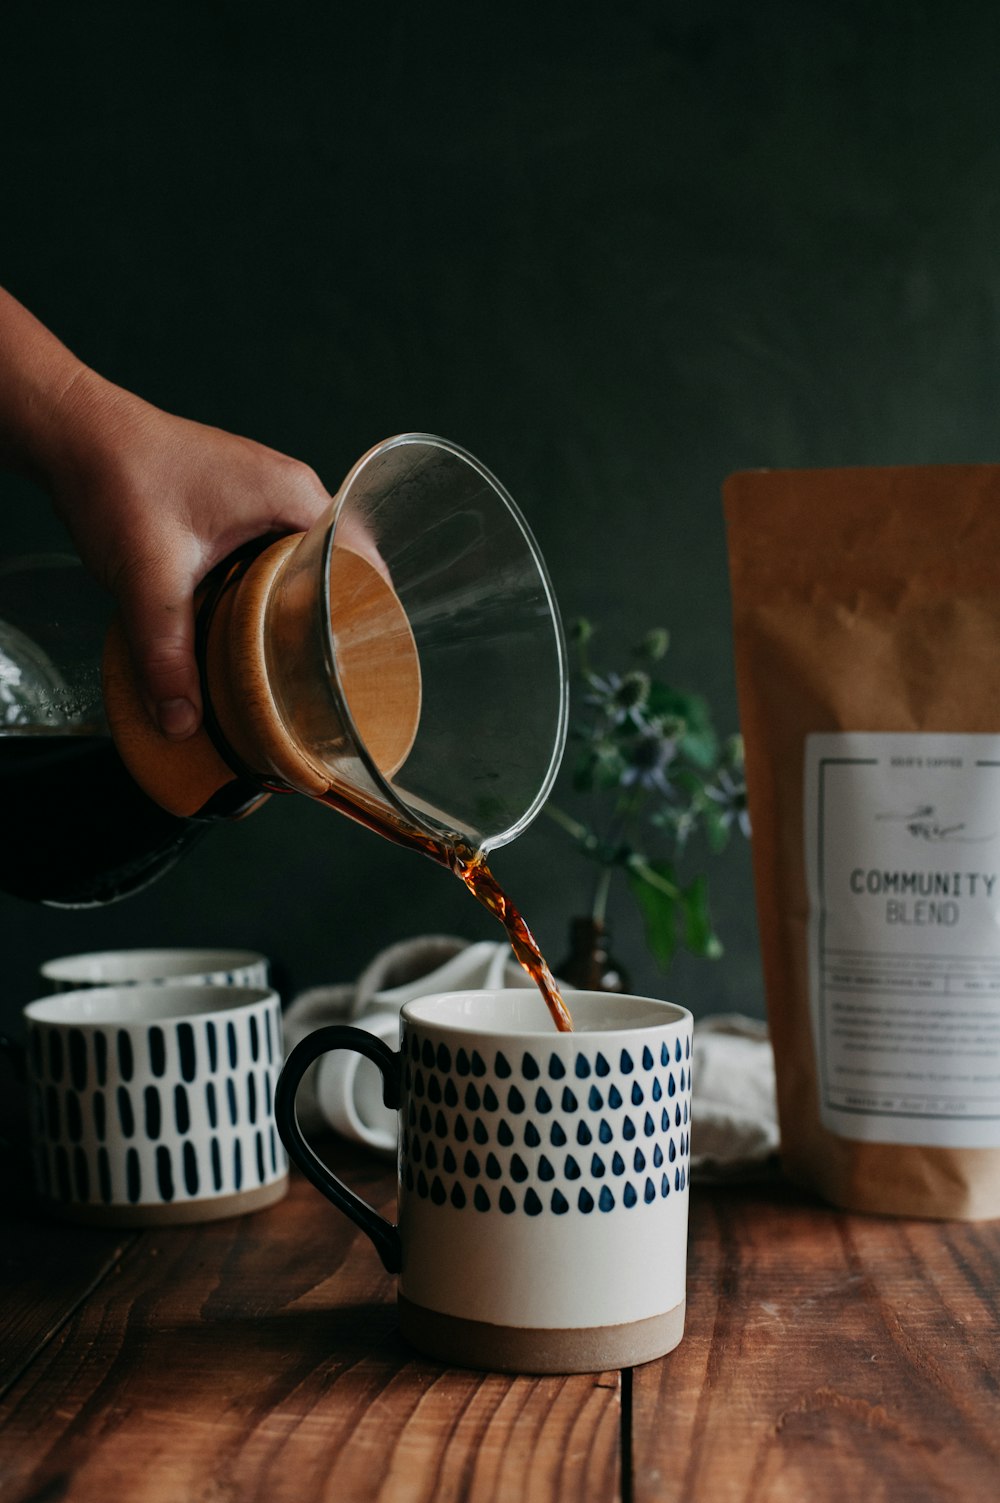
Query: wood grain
x=826 y=1357
x=259 y=1359
x=39 y=1282
x=41 y=1287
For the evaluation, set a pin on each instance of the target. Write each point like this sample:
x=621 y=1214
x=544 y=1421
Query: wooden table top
x=827 y=1356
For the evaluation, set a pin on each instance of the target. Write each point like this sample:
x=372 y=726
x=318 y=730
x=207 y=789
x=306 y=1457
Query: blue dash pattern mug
x=543 y=1176
x=162 y=967
x=153 y=1105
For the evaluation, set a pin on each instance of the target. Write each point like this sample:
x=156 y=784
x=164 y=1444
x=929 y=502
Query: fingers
x=304 y=497
x=158 y=616
x=242 y=492
x=248 y=492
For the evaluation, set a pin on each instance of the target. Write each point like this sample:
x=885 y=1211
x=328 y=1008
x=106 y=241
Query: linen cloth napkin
x=734 y=1133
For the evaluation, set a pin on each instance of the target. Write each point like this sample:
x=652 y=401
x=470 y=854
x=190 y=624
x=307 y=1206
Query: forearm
x=151 y=501
x=39 y=379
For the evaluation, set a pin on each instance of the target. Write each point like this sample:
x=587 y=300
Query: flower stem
x=654 y=878
x=599 y=907
x=571 y=826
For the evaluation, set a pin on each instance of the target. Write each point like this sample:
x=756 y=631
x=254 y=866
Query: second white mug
x=160 y=967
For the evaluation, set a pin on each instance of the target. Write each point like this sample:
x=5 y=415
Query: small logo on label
x=923 y=824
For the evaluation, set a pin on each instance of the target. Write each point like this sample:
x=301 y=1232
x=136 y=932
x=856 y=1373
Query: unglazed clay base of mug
x=512 y=1349
x=181 y=1213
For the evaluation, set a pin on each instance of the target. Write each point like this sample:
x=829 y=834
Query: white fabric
x=734 y=1133
x=735 y=1129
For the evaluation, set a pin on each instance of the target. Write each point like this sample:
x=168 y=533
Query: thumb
x=158 y=616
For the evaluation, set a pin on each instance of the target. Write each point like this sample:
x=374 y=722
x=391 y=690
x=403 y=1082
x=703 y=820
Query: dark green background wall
x=616 y=251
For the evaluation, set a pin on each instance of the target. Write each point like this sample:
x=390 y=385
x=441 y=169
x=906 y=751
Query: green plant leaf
x=609 y=765
x=583 y=771
x=717 y=826
x=699 y=937
x=698 y=742
x=600 y=765
x=665 y=701
x=659 y=909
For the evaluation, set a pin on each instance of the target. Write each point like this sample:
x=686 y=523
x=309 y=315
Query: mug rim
x=194 y=960
x=672 y=1015
x=82 y=1008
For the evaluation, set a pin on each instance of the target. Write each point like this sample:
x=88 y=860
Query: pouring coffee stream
x=470 y=867
x=402 y=662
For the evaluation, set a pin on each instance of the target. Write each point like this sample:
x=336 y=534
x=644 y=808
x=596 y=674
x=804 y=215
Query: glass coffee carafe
x=402 y=661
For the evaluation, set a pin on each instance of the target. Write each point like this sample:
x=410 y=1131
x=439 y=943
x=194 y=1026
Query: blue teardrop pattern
x=509 y=1128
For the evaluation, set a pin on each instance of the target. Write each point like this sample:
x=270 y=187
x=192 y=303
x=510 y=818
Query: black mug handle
x=383 y=1234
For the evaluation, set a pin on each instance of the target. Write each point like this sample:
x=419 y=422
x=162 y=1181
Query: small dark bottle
x=590 y=966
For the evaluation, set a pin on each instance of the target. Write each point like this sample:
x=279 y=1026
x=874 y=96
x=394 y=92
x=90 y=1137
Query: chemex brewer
x=402 y=661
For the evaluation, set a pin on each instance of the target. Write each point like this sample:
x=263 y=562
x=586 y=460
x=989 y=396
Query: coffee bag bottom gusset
x=866 y=613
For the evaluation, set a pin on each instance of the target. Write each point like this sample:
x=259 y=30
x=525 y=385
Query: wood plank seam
x=625 y=1474
x=115 y=1261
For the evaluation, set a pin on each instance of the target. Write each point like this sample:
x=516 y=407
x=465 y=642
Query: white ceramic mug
x=153 y=1105
x=348 y=1086
x=543 y=1177
x=173 y=967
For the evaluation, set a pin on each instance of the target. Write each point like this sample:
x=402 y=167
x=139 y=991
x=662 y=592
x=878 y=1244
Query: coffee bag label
x=902 y=847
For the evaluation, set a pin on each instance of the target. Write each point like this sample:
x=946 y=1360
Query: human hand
x=152 y=503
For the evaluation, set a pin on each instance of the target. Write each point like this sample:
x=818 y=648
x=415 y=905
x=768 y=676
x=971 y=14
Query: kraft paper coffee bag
x=866 y=609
